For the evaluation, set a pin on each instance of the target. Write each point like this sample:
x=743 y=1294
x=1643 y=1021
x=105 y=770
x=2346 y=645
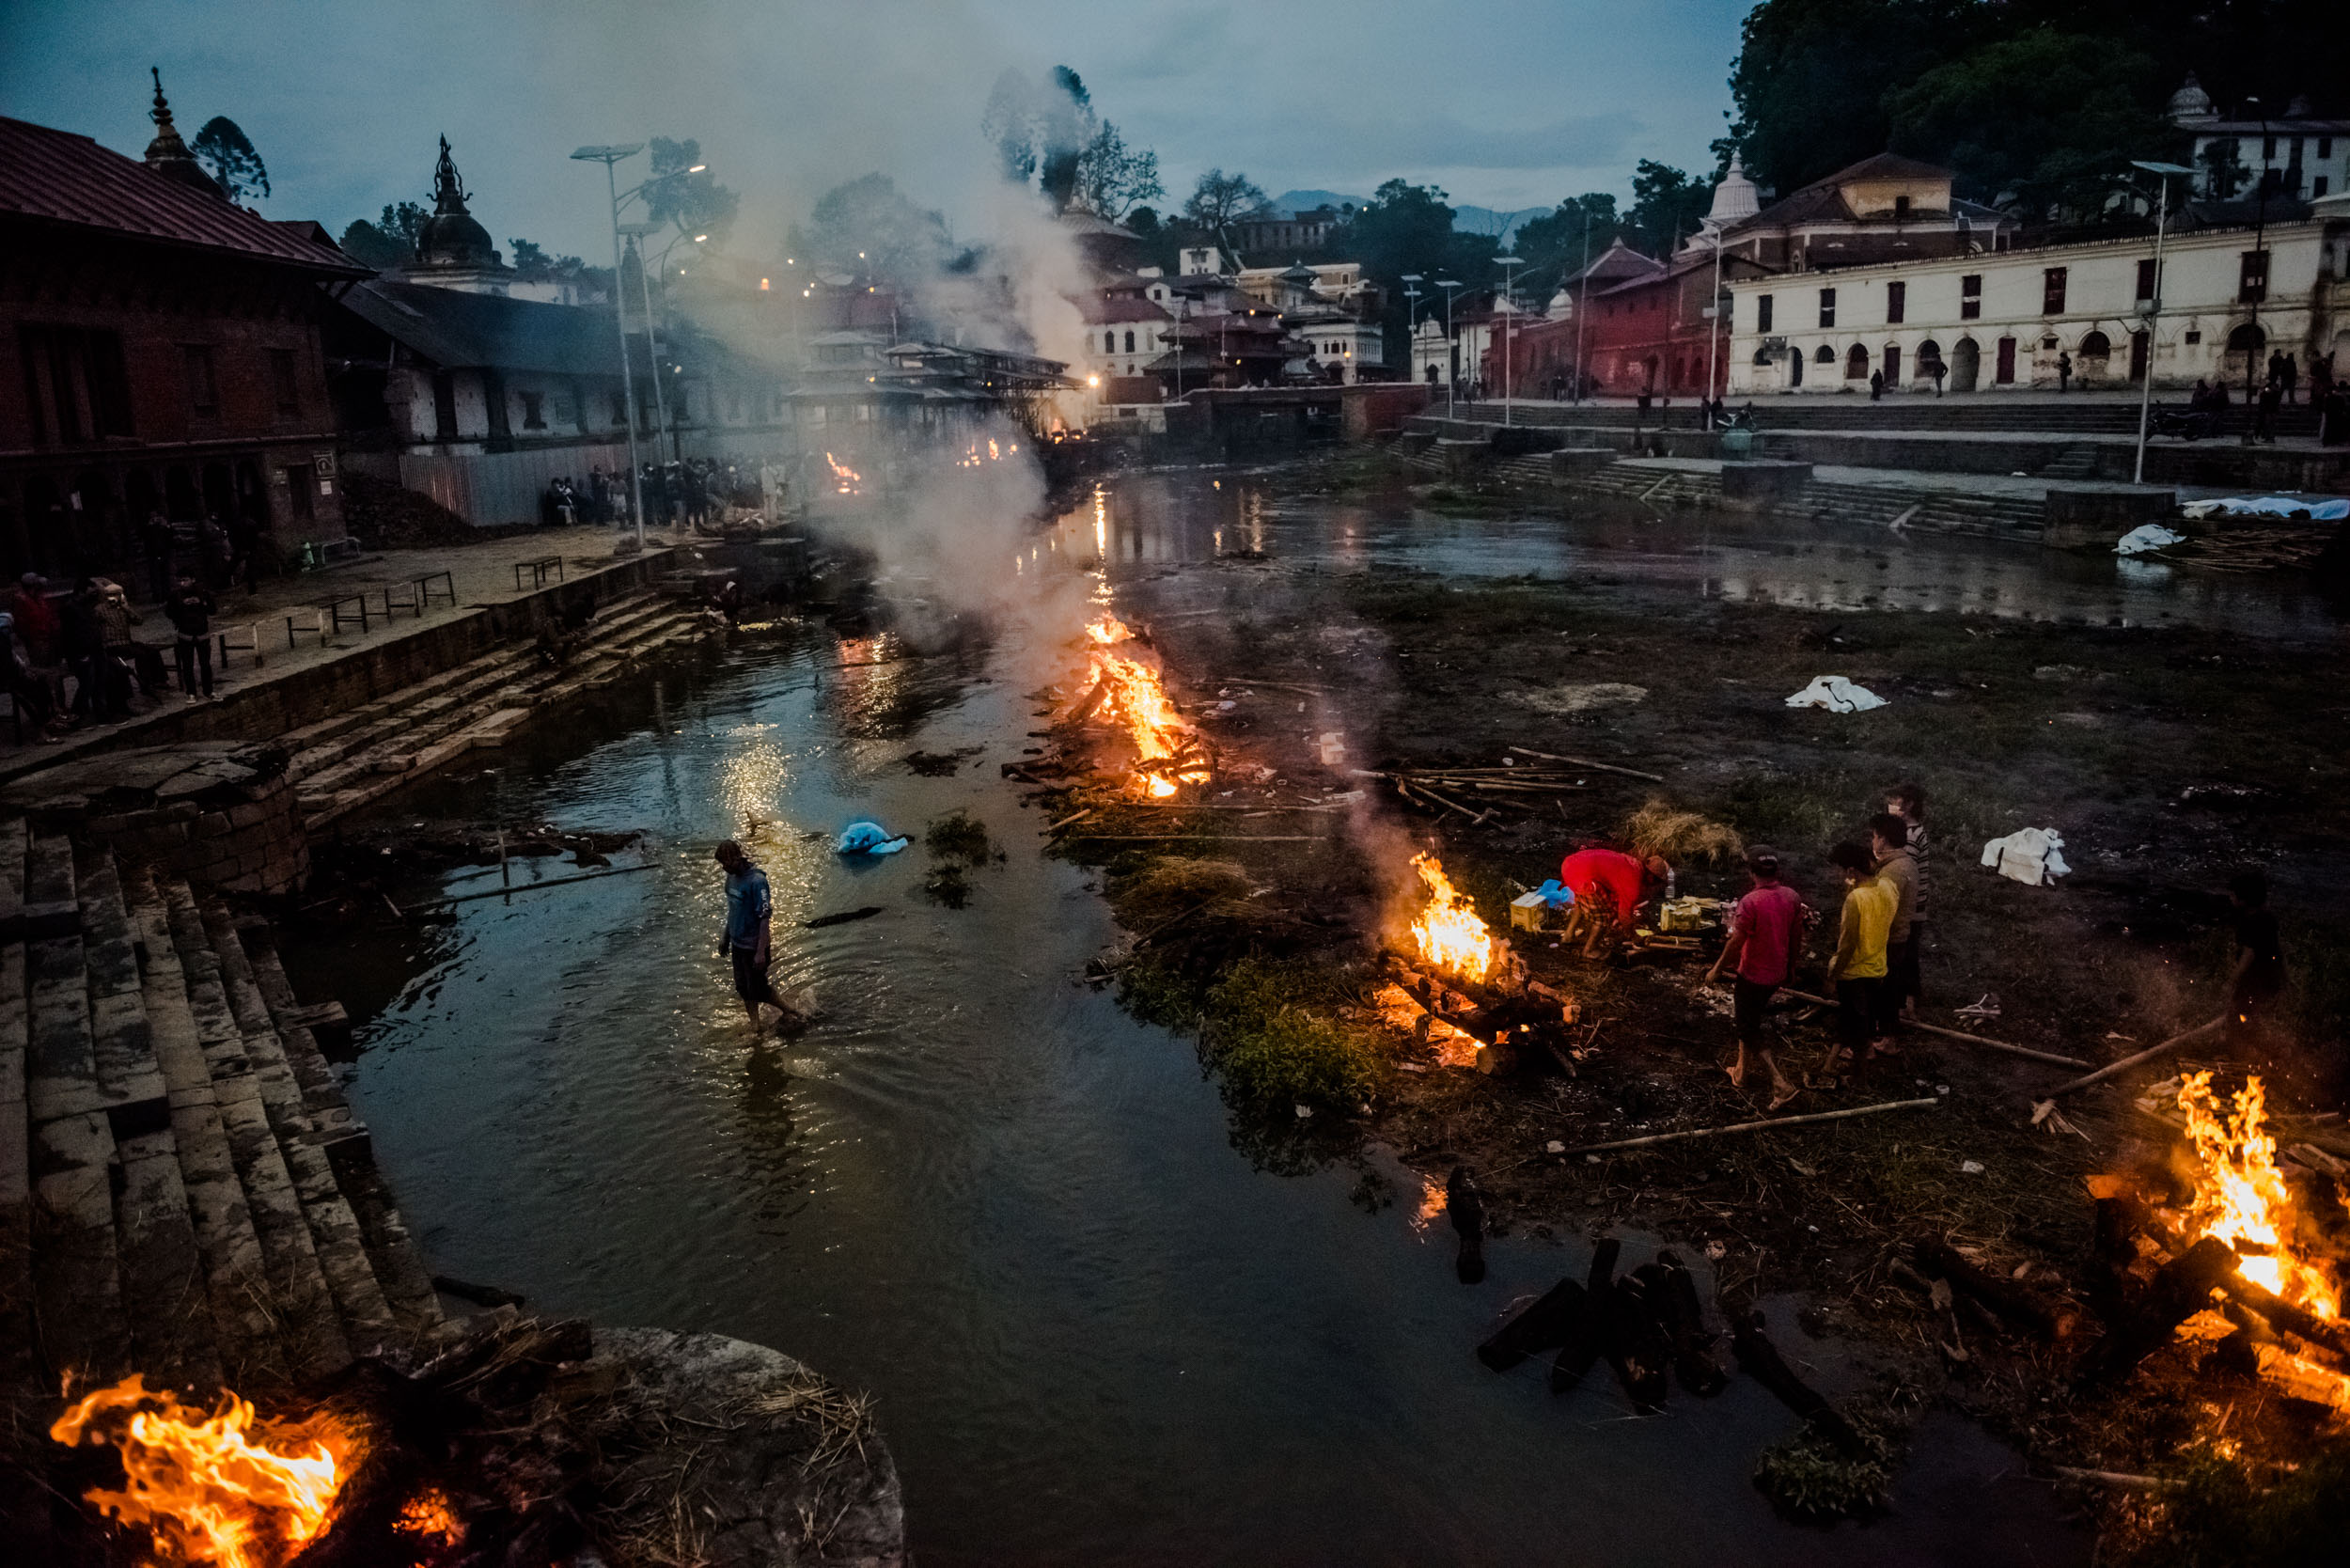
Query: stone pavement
x=481 y=575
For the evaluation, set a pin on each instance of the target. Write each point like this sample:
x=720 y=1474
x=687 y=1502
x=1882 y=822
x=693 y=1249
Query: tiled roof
x=56 y=176
x=1098 y=309
x=455 y=330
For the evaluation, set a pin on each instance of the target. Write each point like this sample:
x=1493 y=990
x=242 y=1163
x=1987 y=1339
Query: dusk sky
x=1503 y=102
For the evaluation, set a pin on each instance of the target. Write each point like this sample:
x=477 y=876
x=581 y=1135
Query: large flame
x=211 y=1489
x=2241 y=1198
x=1135 y=697
x=1449 y=932
x=845 y=478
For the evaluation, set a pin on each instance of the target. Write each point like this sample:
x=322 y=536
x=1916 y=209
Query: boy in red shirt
x=1765 y=932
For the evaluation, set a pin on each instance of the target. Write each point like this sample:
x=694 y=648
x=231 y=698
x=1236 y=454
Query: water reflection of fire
x=1127 y=688
x=223 y=1487
x=1449 y=932
x=2240 y=1197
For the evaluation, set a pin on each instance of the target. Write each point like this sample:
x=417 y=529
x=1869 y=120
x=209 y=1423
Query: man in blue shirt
x=749 y=910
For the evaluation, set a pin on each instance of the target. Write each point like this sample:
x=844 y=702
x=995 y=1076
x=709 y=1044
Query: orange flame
x=846 y=478
x=2241 y=1198
x=1135 y=697
x=205 y=1490
x=429 y=1514
x=1449 y=932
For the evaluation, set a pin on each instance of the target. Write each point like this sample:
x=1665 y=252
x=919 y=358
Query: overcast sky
x=1502 y=102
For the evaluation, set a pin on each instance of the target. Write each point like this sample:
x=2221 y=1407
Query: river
x=1098 y=1331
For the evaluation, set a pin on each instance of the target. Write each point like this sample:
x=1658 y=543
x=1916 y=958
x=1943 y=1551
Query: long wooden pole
x=1587 y=762
x=2147 y=1054
x=1754 y=1126
x=2049 y=1057
x=532 y=886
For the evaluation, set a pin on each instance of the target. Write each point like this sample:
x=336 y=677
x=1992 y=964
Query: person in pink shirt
x=1608 y=881
x=1765 y=934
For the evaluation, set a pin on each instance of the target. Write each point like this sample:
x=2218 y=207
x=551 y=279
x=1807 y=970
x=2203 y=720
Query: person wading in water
x=749 y=910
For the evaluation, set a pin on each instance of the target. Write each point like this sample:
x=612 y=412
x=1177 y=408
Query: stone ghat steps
x=1817 y=412
x=346 y=761
x=184 y=1192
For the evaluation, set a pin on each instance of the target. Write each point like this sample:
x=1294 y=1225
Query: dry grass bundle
x=1684 y=837
x=1178 y=886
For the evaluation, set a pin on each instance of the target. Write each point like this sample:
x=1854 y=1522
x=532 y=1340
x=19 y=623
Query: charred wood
x=2181 y=1288
x=1760 y=1360
x=1465 y=1206
x=1693 y=1344
x=2009 y=1300
x=1545 y=1325
x=1587 y=1337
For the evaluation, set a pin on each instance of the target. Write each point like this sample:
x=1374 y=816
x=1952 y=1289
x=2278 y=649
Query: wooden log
x=1755 y=1126
x=1545 y=1325
x=1465 y=1206
x=1587 y=1337
x=2198 y=1032
x=2005 y=1297
x=2181 y=1288
x=1638 y=1346
x=1693 y=1346
x=2051 y=1057
x=1760 y=1360
x=1587 y=762
x=2282 y=1315
x=1084 y=711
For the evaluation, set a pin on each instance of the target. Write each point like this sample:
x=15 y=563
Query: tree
x=1220 y=197
x=388 y=242
x=1555 y=245
x=866 y=228
x=2225 y=173
x=1110 y=178
x=1408 y=228
x=1810 y=75
x=2045 y=119
x=1666 y=206
x=221 y=148
x=693 y=202
x=534 y=265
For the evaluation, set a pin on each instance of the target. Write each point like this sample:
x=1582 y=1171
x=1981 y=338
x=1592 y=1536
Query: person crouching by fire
x=1610 y=883
x=750 y=910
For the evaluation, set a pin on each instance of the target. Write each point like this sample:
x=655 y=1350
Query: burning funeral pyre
x=527 y=1441
x=1463 y=991
x=2232 y=1253
x=1128 y=689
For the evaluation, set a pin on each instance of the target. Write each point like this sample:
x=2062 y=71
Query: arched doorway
x=1965 y=364
x=1892 y=366
x=1857 y=364
x=2141 y=354
x=2245 y=347
x=2096 y=358
x=1794 y=368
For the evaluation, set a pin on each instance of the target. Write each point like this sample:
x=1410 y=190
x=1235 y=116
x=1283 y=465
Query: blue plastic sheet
x=1556 y=894
x=869 y=837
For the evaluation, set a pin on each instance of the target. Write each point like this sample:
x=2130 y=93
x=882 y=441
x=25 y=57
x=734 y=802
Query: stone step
x=236 y=1281
x=19 y=1373
x=247 y=1074
x=13 y=850
x=303 y=1137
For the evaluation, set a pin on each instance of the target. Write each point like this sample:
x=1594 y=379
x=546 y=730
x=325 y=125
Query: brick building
x=159 y=350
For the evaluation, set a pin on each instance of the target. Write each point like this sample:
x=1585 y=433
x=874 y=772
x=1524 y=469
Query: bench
x=448 y=588
x=342 y=617
x=333 y=550
x=246 y=639
x=410 y=598
x=538 y=571
x=306 y=618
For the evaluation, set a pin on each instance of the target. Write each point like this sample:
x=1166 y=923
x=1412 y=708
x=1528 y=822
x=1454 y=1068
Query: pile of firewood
x=1516 y=1022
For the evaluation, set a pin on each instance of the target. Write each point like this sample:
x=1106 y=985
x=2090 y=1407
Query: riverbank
x=2167 y=757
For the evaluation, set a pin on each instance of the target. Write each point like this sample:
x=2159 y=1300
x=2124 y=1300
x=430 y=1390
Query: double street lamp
x=2151 y=309
x=610 y=158
x=1509 y=319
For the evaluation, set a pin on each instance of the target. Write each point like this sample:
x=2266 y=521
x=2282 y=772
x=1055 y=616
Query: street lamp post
x=636 y=232
x=1510 y=265
x=1580 y=305
x=1713 y=320
x=2162 y=173
x=609 y=156
x=1411 y=322
x=1452 y=347
x=2252 y=340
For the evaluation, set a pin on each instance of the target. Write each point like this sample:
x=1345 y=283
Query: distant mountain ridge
x=1468 y=220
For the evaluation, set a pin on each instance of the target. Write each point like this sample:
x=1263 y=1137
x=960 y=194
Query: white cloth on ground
x=2146 y=537
x=2330 y=509
x=2031 y=855
x=1837 y=695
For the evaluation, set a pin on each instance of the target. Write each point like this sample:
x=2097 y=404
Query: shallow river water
x=1097 y=1330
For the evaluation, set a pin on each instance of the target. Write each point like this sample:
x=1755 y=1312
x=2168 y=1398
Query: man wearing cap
x=1765 y=932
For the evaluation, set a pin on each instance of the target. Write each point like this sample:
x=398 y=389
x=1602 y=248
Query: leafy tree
x=1408 y=228
x=2225 y=173
x=1220 y=197
x=1810 y=75
x=221 y=148
x=1110 y=178
x=2046 y=118
x=866 y=228
x=390 y=241
x=1666 y=206
x=1555 y=246
x=693 y=202
x=533 y=264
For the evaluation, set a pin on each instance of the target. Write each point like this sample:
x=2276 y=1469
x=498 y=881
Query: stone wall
x=220 y=814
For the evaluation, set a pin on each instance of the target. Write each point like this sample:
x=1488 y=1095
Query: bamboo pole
x=531 y=886
x=1203 y=837
x=1587 y=762
x=2147 y=1054
x=1754 y=1126
x=2049 y=1057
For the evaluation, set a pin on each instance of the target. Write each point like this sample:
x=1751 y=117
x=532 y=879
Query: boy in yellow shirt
x=1858 y=968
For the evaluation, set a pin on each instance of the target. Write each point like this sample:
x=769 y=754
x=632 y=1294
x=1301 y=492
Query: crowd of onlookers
x=691 y=493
